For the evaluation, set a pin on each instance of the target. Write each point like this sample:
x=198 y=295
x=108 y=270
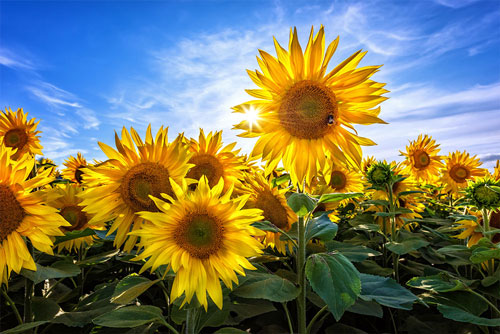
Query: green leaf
x=386 y=291
x=130 y=316
x=24 y=327
x=482 y=254
x=44 y=308
x=457 y=314
x=406 y=246
x=301 y=204
x=130 y=288
x=494 y=188
x=266 y=226
x=74 y=235
x=82 y=318
x=267 y=286
x=461 y=299
x=58 y=269
x=321 y=228
x=436 y=283
x=367 y=227
x=99 y=258
x=366 y=308
x=355 y=253
x=404 y=193
x=230 y=330
x=380 y=202
x=335 y=197
x=372 y=267
x=335 y=280
x=280 y=180
x=385 y=214
x=248 y=308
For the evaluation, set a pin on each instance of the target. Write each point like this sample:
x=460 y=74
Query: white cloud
x=53 y=95
x=14 y=60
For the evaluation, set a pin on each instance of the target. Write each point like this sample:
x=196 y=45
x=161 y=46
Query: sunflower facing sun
x=23 y=214
x=203 y=236
x=74 y=166
x=121 y=187
x=422 y=159
x=304 y=112
x=460 y=168
x=19 y=133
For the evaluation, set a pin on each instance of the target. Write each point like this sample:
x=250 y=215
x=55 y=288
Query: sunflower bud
x=379 y=174
x=484 y=193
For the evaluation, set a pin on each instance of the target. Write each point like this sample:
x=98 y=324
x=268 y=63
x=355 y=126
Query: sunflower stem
x=13 y=306
x=191 y=319
x=315 y=318
x=301 y=259
x=29 y=290
x=288 y=319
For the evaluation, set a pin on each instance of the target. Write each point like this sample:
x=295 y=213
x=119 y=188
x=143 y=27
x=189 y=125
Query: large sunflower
x=272 y=202
x=65 y=199
x=422 y=159
x=203 y=236
x=74 y=166
x=460 y=167
x=303 y=112
x=19 y=133
x=22 y=214
x=212 y=160
x=121 y=187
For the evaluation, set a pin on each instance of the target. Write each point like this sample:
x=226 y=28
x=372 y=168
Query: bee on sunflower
x=66 y=199
x=460 y=168
x=302 y=111
x=204 y=236
x=23 y=214
x=215 y=161
x=19 y=133
x=120 y=188
x=272 y=201
x=422 y=160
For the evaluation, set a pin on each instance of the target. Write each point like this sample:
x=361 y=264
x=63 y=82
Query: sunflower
x=46 y=163
x=460 y=167
x=422 y=159
x=65 y=199
x=120 y=188
x=302 y=112
x=203 y=236
x=19 y=133
x=496 y=171
x=272 y=202
x=23 y=214
x=74 y=166
x=472 y=228
x=367 y=162
x=214 y=161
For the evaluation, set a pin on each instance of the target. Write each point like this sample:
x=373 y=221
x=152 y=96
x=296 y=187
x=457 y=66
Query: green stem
x=316 y=316
x=301 y=259
x=288 y=319
x=13 y=306
x=486 y=223
x=191 y=320
x=485 y=299
x=29 y=290
x=393 y=322
x=170 y=327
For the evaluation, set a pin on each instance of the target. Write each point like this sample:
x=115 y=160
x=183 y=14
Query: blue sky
x=88 y=68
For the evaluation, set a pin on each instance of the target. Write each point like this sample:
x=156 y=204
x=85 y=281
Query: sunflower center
x=422 y=159
x=208 y=165
x=78 y=174
x=338 y=180
x=11 y=212
x=149 y=178
x=16 y=138
x=199 y=234
x=75 y=216
x=308 y=109
x=273 y=209
x=459 y=174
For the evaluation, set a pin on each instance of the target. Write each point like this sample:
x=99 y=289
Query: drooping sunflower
x=19 y=133
x=303 y=111
x=74 y=166
x=120 y=188
x=472 y=228
x=65 y=199
x=215 y=161
x=272 y=201
x=422 y=159
x=203 y=236
x=460 y=167
x=23 y=214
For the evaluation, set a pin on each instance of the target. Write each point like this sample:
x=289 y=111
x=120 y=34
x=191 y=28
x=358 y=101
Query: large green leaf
x=44 y=308
x=99 y=258
x=130 y=288
x=23 y=328
x=267 y=286
x=266 y=226
x=406 y=246
x=335 y=197
x=482 y=254
x=355 y=253
x=335 y=280
x=58 y=269
x=321 y=228
x=386 y=291
x=74 y=235
x=366 y=308
x=301 y=204
x=130 y=316
x=457 y=314
x=242 y=309
x=372 y=267
x=82 y=318
x=436 y=283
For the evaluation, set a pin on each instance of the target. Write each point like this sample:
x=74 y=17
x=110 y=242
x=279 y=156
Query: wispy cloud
x=15 y=60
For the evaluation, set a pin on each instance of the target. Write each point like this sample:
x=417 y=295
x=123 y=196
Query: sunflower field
x=301 y=235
